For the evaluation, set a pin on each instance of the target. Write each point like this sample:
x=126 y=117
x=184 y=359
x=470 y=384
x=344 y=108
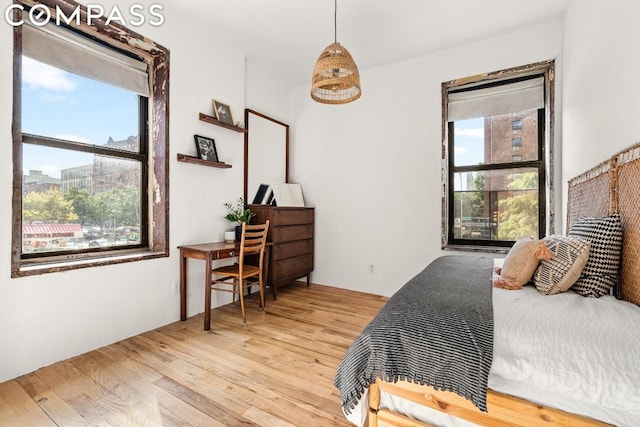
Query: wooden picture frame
x=206 y=148
x=222 y=112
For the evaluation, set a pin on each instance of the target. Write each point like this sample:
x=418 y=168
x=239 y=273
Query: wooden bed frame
x=611 y=187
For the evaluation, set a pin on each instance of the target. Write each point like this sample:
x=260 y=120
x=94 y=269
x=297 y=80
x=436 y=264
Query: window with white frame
x=496 y=143
x=84 y=157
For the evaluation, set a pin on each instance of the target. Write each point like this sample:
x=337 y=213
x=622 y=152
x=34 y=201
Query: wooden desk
x=208 y=252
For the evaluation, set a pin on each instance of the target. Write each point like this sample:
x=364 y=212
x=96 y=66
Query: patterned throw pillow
x=601 y=271
x=570 y=255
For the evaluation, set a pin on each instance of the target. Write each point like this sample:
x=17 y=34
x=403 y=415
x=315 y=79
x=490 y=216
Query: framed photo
x=206 y=148
x=223 y=112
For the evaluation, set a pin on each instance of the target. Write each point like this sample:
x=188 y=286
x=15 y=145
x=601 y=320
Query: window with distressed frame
x=84 y=160
x=496 y=145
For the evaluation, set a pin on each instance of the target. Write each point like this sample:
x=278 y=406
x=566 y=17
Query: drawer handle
x=232 y=253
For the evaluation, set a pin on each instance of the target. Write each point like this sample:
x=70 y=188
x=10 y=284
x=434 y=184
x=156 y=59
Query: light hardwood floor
x=276 y=371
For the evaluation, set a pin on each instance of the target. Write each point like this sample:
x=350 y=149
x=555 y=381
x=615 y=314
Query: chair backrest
x=254 y=238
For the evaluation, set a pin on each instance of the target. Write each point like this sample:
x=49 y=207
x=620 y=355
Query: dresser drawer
x=291 y=249
x=292 y=216
x=291 y=268
x=287 y=233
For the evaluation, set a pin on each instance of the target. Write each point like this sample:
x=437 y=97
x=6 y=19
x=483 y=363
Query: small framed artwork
x=223 y=112
x=206 y=148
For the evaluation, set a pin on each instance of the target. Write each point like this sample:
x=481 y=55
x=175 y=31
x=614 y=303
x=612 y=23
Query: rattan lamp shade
x=335 y=77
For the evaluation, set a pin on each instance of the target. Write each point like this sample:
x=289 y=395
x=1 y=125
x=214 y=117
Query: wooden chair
x=234 y=277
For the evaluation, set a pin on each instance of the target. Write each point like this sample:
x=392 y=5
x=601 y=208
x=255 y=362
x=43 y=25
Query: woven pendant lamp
x=335 y=77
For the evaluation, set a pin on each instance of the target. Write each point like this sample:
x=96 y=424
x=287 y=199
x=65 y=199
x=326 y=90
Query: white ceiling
x=286 y=36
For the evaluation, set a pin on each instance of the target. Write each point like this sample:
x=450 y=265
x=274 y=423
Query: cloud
x=41 y=76
x=460 y=150
x=74 y=138
x=473 y=133
x=49 y=97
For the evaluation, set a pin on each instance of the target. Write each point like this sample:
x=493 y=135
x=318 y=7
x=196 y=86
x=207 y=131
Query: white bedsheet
x=585 y=350
x=564 y=351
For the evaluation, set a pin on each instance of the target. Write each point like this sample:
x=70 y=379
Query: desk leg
x=183 y=286
x=265 y=277
x=207 y=293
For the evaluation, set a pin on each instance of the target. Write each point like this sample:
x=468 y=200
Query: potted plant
x=238 y=213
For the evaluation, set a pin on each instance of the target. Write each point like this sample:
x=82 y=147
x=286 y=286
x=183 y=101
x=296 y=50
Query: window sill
x=30 y=268
x=486 y=249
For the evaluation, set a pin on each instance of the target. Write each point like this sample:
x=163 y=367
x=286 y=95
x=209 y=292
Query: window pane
x=494 y=139
x=62 y=105
x=516 y=124
x=496 y=205
x=74 y=201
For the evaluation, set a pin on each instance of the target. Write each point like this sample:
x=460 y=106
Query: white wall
x=601 y=88
x=52 y=317
x=372 y=168
x=266 y=93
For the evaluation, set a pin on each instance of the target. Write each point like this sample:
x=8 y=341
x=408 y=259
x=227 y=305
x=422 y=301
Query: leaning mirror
x=266 y=152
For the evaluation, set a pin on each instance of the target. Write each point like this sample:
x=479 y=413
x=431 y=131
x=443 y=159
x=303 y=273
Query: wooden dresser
x=291 y=232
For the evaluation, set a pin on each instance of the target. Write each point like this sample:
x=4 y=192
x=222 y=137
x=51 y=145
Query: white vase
x=230 y=236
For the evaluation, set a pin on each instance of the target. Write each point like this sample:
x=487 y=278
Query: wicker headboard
x=614 y=187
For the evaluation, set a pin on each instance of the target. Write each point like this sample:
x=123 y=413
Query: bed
x=531 y=359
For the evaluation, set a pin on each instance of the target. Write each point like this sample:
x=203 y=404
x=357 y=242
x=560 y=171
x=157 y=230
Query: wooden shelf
x=198 y=161
x=214 y=121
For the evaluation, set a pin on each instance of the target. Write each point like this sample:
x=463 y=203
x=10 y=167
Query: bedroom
x=59 y=315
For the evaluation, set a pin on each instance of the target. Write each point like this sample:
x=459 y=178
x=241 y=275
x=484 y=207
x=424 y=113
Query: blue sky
x=469 y=148
x=59 y=104
x=469 y=139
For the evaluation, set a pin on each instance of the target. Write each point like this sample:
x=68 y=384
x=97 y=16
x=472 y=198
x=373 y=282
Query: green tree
x=128 y=199
x=118 y=206
x=519 y=212
x=470 y=204
x=83 y=205
x=477 y=202
x=104 y=209
x=49 y=207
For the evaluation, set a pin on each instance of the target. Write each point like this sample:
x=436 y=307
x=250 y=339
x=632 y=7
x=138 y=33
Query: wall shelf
x=198 y=161
x=214 y=121
x=195 y=160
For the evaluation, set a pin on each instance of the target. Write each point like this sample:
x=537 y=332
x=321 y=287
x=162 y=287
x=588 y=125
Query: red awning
x=53 y=230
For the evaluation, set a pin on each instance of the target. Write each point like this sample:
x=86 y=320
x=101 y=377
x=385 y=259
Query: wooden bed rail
x=503 y=410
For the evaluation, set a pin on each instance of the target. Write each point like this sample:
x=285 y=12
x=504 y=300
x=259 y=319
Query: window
x=82 y=150
x=516 y=125
x=496 y=180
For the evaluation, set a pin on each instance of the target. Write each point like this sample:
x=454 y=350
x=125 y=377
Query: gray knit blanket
x=437 y=330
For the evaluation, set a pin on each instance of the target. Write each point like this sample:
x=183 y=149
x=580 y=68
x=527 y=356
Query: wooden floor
x=276 y=371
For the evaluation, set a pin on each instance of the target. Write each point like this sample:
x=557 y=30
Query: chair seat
x=234 y=270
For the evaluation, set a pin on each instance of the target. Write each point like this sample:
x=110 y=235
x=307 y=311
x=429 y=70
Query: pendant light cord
x=335 y=21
